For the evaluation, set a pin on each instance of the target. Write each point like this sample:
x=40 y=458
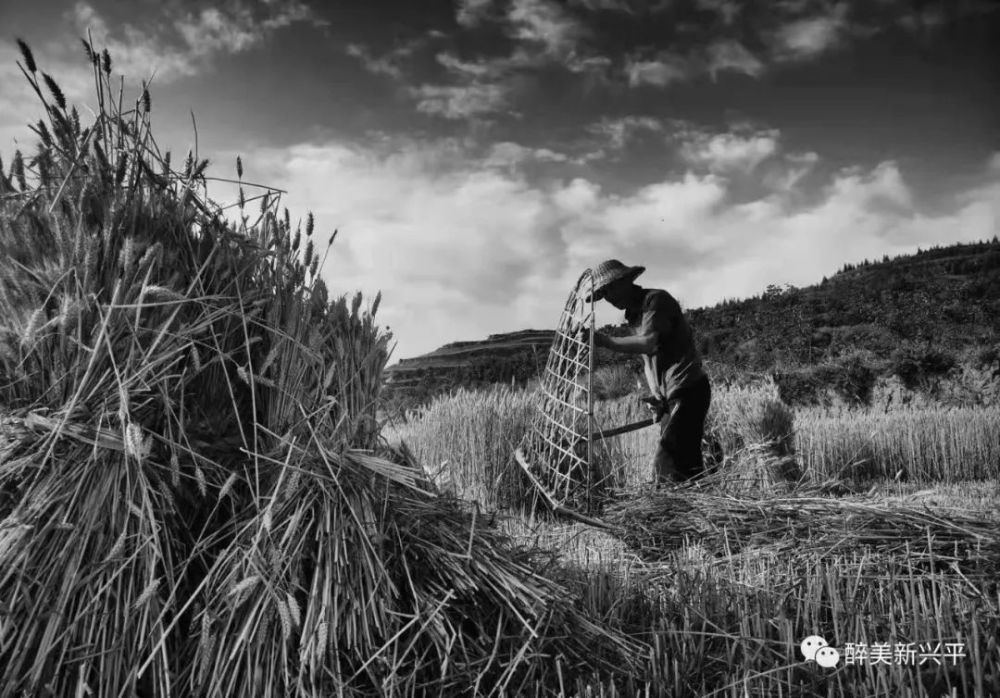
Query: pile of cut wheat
x=194 y=495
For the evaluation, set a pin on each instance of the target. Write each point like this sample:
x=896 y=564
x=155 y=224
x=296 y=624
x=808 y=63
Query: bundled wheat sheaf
x=559 y=449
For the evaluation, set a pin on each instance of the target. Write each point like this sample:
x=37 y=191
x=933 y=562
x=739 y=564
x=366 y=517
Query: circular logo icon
x=827 y=657
x=811 y=645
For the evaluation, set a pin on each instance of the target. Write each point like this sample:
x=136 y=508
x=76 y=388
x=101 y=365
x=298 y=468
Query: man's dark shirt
x=675 y=351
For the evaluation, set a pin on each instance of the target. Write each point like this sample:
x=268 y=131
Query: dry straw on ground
x=805 y=521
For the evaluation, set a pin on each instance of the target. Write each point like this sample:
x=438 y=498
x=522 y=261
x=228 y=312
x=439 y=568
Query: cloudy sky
x=478 y=155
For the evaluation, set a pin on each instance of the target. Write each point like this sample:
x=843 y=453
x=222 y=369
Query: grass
x=743 y=422
x=466 y=438
x=928 y=444
x=615 y=381
x=466 y=441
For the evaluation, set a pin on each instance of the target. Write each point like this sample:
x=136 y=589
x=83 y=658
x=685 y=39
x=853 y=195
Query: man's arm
x=639 y=344
x=657 y=323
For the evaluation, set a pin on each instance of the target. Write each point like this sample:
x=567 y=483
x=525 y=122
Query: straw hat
x=610 y=271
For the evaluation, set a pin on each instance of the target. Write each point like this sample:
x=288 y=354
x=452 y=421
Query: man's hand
x=583 y=335
x=656 y=406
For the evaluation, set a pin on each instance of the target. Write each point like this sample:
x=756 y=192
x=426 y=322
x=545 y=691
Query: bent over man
x=672 y=365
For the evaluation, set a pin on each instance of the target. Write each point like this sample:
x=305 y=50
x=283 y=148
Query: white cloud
x=286 y=12
x=489 y=82
x=464 y=246
x=628 y=7
x=579 y=197
x=594 y=65
x=509 y=155
x=462 y=101
x=806 y=38
x=470 y=13
x=380 y=65
x=666 y=68
x=500 y=68
x=449 y=244
x=211 y=30
x=603 y=5
x=881 y=189
x=545 y=23
x=390 y=63
x=730 y=152
x=979 y=216
x=659 y=212
x=748 y=152
x=478 y=69
x=994 y=163
x=191 y=39
x=543 y=34
x=484 y=87
x=134 y=53
x=733 y=56
x=784 y=178
x=169 y=44
x=617 y=132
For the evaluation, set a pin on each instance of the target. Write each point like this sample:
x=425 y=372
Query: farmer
x=680 y=387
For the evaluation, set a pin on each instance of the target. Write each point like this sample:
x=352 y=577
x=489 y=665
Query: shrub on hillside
x=854 y=379
x=988 y=358
x=920 y=367
x=801 y=387
x=851 y=379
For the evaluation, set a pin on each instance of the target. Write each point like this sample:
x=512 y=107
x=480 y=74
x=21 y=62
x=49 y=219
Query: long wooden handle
x=648 y=422
x=598 y=435
x=553 y=504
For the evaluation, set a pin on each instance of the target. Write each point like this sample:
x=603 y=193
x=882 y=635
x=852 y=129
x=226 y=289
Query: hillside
x=911 y=315
x=947 y=298
x=495 y=359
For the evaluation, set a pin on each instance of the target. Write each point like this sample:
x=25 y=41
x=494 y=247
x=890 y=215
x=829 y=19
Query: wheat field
x=727 y=598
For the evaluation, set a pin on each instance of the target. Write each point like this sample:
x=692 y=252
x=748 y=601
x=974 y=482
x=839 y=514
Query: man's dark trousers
x=678 y=457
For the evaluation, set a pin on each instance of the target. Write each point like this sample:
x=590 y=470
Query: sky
x=476 y=156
